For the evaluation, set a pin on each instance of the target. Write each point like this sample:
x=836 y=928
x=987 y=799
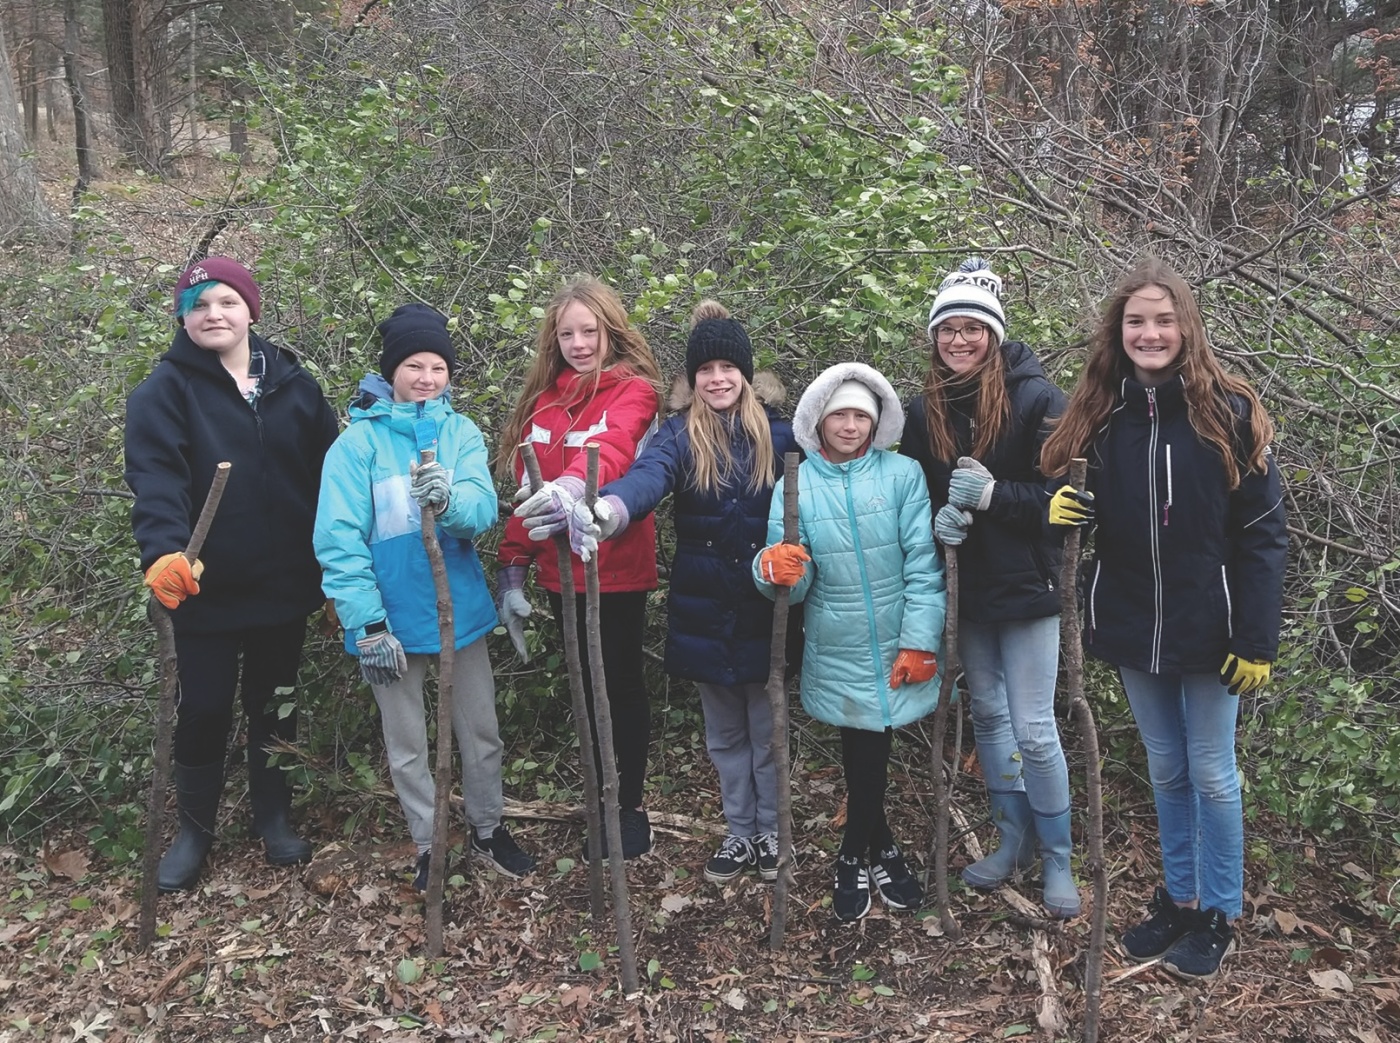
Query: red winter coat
x=620 y=416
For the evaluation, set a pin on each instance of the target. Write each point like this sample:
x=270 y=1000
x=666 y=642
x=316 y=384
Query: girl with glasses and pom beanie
x=977 y=430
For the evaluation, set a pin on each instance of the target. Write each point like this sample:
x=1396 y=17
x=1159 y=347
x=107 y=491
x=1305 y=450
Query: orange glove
x=783 y=564
x=914 y=667
x=172 y=579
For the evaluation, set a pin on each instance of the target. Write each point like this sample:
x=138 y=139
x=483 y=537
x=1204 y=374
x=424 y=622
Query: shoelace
x=735 y=848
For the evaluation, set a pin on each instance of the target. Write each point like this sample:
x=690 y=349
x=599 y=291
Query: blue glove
x=382 y=659
x=950 y=525
x=970 y=486
x=547 y=512
x=430 y=487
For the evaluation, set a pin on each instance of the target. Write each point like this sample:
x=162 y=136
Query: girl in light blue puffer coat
x=873 y=585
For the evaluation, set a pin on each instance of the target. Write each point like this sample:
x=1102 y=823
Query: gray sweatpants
x=478 y=740
x=739 y=736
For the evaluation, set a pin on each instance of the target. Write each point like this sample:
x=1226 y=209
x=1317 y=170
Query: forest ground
x=335 y=951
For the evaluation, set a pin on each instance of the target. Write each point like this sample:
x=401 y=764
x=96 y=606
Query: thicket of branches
x=817 y=169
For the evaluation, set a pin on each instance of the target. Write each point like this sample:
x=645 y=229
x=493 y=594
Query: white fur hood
x=767 y=388
x=809 y=408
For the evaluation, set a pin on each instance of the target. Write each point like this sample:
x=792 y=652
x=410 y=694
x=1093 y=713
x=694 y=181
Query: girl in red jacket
x=594 y=379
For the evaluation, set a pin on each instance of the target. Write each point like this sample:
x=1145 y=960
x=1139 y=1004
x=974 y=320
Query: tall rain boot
x=271 y=800
x=197 y=792
x=1061 y=894
x=1011 y=814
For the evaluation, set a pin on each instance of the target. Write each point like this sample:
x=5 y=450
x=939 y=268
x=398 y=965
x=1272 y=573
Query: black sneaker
x=1166 y=922
x=1197 y=955
x=734 y=856
x=850 y=898
x=766 y=844
x=899 y=889
x=636 y=833
x=420 y=878
x=502 y=853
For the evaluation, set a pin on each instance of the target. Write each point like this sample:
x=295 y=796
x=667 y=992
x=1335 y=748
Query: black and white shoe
x=1197 y=956
x=850 y=896
x=734 y=856
x=899 y=889
x=1166 y=923
x=502 y=853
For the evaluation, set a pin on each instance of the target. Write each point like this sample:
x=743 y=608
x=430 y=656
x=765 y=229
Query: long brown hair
x=993 y=404
x=623 y=345
x=1208 y=386
x=711 y=445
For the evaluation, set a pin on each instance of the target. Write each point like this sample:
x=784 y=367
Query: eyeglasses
x=972 y=333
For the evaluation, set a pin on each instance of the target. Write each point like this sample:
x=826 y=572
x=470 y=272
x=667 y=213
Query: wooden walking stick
x=572 y=657
x=1070 y=633
x=777 y=701
x=165 y=717
x=942 y=786
x=442 y=779
x=602 y=714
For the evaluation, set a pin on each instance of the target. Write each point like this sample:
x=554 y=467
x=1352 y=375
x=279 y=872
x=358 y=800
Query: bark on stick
x=777 y=700
x=165 y=718
x=942 y=783
x=442 y=778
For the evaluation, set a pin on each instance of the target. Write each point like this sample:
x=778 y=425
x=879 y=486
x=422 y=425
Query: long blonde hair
x=623 y=345
x=1208 y=386
x=993 y=403
x=711 y=435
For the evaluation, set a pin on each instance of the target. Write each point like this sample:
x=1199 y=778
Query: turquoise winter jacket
x=875 y=582
x=369 y=536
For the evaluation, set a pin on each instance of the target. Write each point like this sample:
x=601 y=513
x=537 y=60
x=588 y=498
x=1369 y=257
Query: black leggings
x=209 y=678
x=866 y=759
x=621 y=624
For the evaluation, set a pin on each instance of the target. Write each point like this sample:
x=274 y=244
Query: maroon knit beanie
x=227 y=271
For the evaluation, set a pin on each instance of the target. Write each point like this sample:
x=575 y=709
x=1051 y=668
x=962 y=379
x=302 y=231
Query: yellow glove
x=172 y=579
x=1069 y=506
x=1244 y=675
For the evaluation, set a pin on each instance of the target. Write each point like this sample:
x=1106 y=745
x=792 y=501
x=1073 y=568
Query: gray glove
x=430 y=486
x=611 y=515
x=547 y=512
x=382 y=659
x=970 y=486
x=950 y=525
x=513 y=607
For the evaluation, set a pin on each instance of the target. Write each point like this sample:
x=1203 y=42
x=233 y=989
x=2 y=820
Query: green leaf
x=408 y=971
x=1016 y=1030
x=862 y=973
x=588 y=960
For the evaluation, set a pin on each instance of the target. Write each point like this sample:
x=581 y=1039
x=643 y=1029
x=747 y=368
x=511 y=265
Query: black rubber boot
x=272 y=808
x=197 y=792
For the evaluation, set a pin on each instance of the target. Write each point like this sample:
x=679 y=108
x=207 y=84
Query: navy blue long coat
x=719 y=625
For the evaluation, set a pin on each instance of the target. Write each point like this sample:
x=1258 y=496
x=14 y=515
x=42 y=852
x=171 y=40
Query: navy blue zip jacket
x=1009 y=565
x=1184 y=571
x=181 y=421
x=719 y=627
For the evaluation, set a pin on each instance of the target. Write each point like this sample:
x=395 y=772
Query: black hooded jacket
x=181 y=422
x=1009 y=565
x=1185 y=570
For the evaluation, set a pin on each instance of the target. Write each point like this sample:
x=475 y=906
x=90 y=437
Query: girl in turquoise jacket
x=369 y=541
x=872 y=581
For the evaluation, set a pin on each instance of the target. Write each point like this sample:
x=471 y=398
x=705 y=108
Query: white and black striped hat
x=971 y=292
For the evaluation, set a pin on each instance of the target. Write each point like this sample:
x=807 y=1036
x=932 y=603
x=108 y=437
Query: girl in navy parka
x=1186 y=588
x=369 y=541
x=719 y=458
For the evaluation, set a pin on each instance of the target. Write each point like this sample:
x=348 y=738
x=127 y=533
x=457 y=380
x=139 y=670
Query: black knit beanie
x=410 y=329
x=718 y=339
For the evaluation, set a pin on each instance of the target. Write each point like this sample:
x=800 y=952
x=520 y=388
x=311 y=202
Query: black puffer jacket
x=181 y=421
x=1009 y=565
x=1184 y=570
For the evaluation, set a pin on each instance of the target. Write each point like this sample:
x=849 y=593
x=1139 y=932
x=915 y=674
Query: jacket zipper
x=1156 y=542
x=869 y=602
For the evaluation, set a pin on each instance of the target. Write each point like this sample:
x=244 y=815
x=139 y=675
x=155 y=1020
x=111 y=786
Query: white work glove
x=513 y=607
x=546 y=512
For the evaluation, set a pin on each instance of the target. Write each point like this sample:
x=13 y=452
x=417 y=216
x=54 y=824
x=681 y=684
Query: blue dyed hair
x=190 y=297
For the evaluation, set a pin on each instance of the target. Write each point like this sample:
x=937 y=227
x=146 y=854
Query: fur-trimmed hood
x=809 y=408
x=768 y=388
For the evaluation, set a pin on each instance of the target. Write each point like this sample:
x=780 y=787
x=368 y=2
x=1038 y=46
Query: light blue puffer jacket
x=369 y=536
x=875 y=582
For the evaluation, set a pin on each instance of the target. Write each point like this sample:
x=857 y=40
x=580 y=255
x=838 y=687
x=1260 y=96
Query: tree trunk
x=23 y=210
x=72 y=73
x=136 y=69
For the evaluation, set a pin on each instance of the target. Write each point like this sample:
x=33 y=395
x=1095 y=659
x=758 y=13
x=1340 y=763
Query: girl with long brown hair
x=977 y=430
x=1185 y=590
x=593 y=379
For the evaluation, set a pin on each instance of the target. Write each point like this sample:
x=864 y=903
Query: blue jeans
x=1010 y=670
x=1187 y=722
